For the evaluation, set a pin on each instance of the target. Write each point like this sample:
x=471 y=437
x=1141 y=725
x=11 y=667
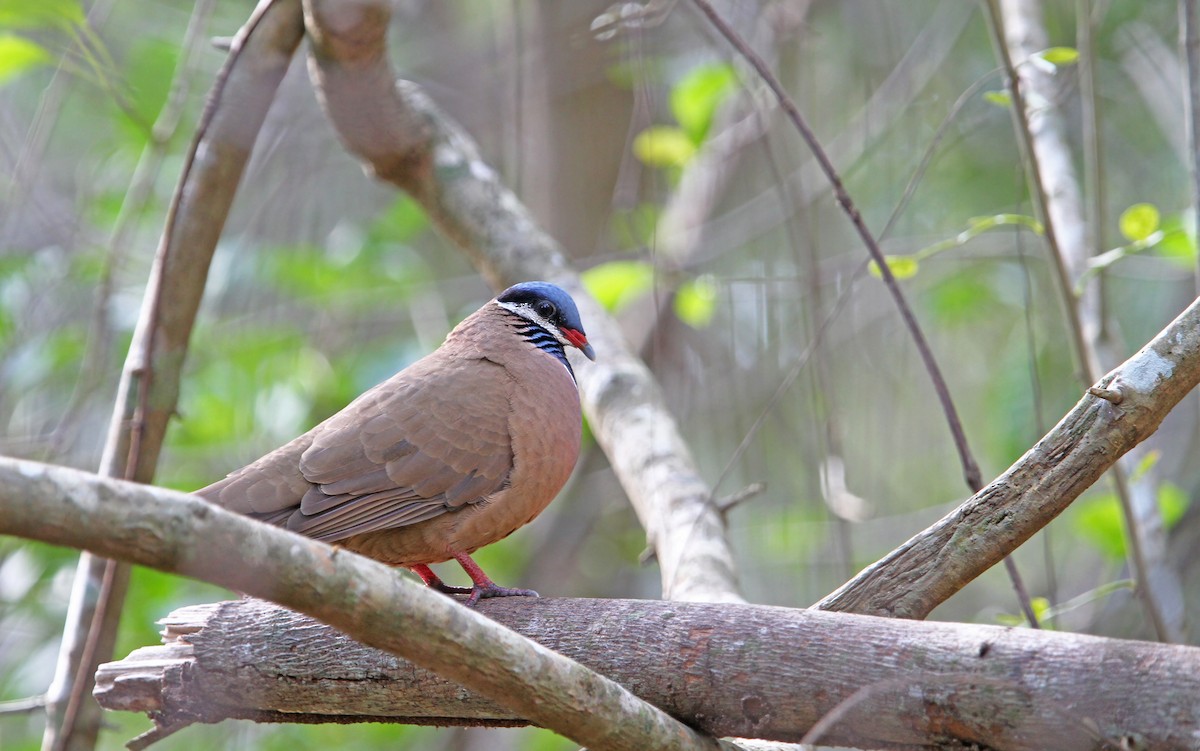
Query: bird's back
x=452 y=453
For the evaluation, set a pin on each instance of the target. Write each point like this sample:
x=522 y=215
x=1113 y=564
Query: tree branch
x=182 y=534
x=149 y=388
x=403 y=138
x=923 y=572
x=854 y=680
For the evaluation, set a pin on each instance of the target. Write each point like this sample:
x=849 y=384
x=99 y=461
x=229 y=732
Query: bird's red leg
x=433 y=581
x=484 y=587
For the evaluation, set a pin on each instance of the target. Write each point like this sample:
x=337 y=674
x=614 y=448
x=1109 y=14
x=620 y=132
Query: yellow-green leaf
x=18 y=54
x=696 y=301
x=903 y=267
x=663 y=146
x=1178 y=242
x=41 y=14
x=617 y=283
x=696 y=97
x=1139 y=221
x=1098 y=520
x=1001 y=98
x=1172 y=503
x=1060 y=55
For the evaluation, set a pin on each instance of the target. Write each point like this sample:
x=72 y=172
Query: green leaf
x=617 y=283
x=148 y=75
x=695 y=99
x=965 y=299
x=1139 y=221
x=696 y=302
x=1000 y=98
x=1098 y=521
x=1060 y=55
x=41 y=14
x=903 y=267
x=18 y=55
x=663 y=146
x=400 y=223
x=1172 y=503
x=1178 y=242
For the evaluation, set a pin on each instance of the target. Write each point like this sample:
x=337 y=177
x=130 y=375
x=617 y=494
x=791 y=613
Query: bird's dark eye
x=545 y=309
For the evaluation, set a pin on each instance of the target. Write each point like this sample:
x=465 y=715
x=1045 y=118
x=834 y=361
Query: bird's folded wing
x=431 y=440
x=267 y=489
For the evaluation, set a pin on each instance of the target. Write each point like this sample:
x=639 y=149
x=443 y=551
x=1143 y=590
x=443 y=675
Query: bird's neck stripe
x=545 y=341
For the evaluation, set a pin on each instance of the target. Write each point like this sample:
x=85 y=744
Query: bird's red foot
x=433 y=581
x=484 y=587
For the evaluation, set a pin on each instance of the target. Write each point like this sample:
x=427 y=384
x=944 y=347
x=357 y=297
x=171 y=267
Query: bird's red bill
x=579 y=341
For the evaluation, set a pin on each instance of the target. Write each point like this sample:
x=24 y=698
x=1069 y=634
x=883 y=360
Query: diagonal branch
x=180 y=533
x=404 y=139
x=1119 y=412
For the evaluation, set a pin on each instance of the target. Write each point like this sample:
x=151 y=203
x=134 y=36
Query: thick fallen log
x=727 y=669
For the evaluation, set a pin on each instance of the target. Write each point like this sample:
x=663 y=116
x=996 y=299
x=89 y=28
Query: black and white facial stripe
x=550 y=320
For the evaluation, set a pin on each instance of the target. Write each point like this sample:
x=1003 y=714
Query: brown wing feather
x=432 y=439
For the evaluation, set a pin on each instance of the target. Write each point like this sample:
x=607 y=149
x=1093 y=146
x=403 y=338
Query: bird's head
x=550 y=307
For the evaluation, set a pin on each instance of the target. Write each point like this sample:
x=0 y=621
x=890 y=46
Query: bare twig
x=971 y=472
x=141 y=188
x=970 y=468
x=1190 y=17
x=23 y=706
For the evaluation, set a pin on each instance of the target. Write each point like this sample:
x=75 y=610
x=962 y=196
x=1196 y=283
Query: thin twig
x=970 y=469
x=28 y=705
x=971 y=473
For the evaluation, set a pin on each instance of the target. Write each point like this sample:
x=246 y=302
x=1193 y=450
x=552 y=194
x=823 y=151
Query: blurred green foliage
x=325 y=283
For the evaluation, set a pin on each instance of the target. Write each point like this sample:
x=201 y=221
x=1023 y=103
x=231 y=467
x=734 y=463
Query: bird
x=452 y=453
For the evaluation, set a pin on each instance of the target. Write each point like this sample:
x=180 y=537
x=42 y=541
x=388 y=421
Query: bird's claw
x=484 y=592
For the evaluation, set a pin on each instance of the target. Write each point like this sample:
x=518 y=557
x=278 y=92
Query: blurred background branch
x=1022 y=44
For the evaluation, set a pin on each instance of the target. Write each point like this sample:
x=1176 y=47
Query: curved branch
x=970 y=467
x=149 y=388
x=403 y=138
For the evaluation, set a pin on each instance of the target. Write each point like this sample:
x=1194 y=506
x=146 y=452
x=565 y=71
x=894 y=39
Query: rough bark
x=727 y=669
x=923 y=572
